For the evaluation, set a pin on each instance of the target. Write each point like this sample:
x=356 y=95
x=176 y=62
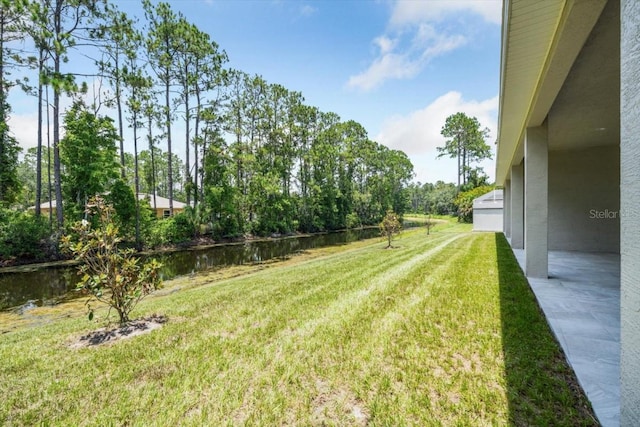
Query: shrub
x=464 y=202
x=22 y=234
x=157 y=233
x=173 y=230
x=123 y=201
x=110 y=275
x=353 y=220
x=183 y=230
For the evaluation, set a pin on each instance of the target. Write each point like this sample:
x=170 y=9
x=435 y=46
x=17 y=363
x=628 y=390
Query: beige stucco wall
x=630 y=198
x=584 y=199
x=487 y=220
x=160 y=211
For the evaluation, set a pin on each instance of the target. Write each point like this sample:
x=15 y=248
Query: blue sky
x=397 y=67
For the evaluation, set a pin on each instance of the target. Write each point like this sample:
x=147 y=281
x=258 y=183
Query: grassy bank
x=440 y=330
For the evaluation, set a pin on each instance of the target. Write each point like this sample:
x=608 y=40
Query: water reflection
x=49 y=286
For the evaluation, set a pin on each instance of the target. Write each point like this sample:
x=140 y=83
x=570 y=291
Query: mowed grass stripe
x=356 y=364
x=220 y=321
x=297 y=349
x=305 y=289
x=373 y=283
x=408 y=336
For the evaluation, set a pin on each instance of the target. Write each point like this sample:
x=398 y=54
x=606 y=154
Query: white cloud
x=24 y=129
x=432 y=43
x=418 y=133
x=389 y=65
x=385 y=44
x=414 y=12
x=308 y=10
x=403 y=65
x=416 y=36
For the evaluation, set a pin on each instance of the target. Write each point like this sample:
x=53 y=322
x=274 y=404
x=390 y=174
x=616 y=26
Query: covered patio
x=581 y=301
x=567 y=155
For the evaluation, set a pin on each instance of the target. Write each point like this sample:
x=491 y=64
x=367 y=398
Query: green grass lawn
x=440 y=330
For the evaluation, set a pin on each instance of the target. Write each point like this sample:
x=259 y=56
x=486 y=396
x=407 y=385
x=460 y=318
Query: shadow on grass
x=541 y=387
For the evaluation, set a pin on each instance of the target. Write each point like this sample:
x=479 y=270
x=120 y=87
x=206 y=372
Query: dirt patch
x=132 y=329
x=335 y=405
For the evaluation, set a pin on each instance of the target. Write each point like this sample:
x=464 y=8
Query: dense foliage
x=9 y=150
x=22 y=235
x=257 y=159
x=88 y=154
x=438 y=198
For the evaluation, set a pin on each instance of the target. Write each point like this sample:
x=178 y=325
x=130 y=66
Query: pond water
x=52 y=285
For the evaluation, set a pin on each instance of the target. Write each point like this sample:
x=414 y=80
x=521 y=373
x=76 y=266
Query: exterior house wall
x=516 y=212
x=507 y=209
x=164 y=212
x=487 y=219
x=584 y=199
x=630 y=221
x=488 y=211
x=160 y=212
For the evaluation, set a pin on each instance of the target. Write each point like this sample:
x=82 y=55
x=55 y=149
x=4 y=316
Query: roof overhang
x=540 y=42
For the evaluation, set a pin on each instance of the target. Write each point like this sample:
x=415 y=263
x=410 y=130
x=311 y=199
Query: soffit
x=528 y=31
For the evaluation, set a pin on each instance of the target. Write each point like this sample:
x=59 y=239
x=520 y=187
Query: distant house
x=44 y=207
x=161 y=205
x=487 y=211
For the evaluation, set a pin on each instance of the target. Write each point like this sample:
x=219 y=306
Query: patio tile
x=581 y=301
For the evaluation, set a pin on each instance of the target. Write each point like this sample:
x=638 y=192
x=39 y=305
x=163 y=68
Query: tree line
x=257 y=158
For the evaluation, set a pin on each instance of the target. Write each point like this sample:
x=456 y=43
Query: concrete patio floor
x=581 y=300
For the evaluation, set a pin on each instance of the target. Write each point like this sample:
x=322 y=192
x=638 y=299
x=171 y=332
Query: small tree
x=429 y=224
x=110 y=275
x=390 y=226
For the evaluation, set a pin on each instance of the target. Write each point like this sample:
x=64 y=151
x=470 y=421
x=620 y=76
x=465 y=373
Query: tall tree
x=37 y=28
x=61 y=22
x=254 y=90
x=305 y=131
x=151 y=114
x=12 y=16
x=466 y=142
x=9 y=150
x=186 y=41
x=118 y=50
x=138 y=85
x=162 y=46
x=12 y=20
x=234 y=124
x=208 y=76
